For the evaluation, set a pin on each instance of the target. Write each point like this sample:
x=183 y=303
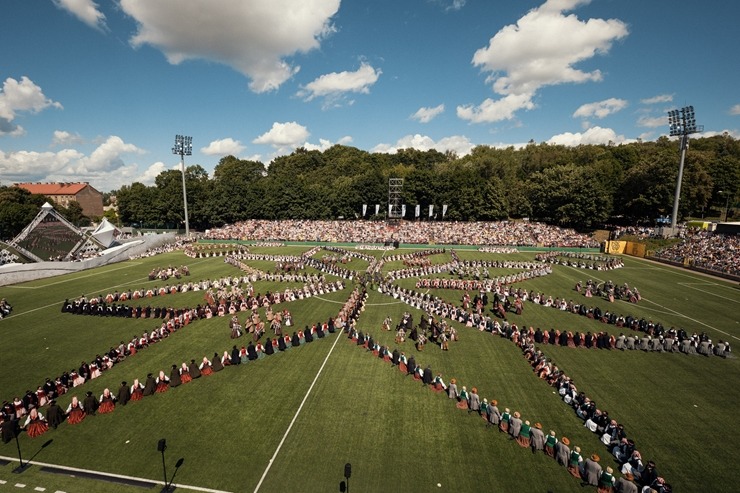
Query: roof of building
x=54 y=188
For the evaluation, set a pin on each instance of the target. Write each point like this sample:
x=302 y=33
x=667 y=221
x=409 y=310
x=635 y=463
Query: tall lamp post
x=681 y=124
x=184 y=147
x=727 y=202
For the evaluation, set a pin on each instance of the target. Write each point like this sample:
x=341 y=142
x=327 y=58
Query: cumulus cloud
x=652 y=121
x=542 y=49
x=85 y=10
x=106 y=157
x=336 y=85
x=735 y=110
x=660 y=98
x=64 y=138
x=425 y=115
x=149 y=174
x=594 y=135
x=458 y=144
x=223 y=147
x=281 y=135
x=23 y=96
x=496 y=110
x=600 y=109
x=21 y=166
x=252 y=36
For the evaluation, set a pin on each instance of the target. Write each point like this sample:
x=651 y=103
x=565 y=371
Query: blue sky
x=97 y=90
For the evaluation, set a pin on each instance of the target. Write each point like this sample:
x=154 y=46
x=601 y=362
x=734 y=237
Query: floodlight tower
x=184 y=147
x=681 y=124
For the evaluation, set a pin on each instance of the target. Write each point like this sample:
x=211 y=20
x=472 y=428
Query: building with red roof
x=62 y=194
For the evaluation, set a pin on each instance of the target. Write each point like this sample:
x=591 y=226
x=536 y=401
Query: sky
x=97 y=90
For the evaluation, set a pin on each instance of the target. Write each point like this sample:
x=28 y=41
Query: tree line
x=581 y=187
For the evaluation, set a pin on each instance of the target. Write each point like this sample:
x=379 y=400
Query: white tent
x=106 y=233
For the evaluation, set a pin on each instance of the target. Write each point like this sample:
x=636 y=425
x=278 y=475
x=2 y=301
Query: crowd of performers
x=5 y=308
x=588 y=469
x=581 y=260
x=163 y=274
x=609 y=291
x=26 y=413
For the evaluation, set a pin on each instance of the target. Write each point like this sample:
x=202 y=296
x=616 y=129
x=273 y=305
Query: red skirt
x=185 y=378
x=437 y=387
x=549 y=451
x=504 y=426
x=402 y=367
x=386 y=358
x=162 y=387
x=462 y=405
x=76 y=416
x=37 y=428
x=206 y=371
x=106 y=407
x=137 y=395
x=522 y=441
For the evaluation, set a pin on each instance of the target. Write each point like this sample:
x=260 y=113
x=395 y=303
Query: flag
x=418 y=210
x=364 y=209
x=377 y=209
x=444 y=210
x=390 y=210
x=431 y=210
x=403 y=210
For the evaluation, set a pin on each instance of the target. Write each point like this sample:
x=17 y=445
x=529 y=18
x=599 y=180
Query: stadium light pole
x=681 y=124
x=184 y=147
x=727 y=202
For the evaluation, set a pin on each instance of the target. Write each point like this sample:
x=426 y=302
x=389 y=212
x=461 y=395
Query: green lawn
x=397 y=434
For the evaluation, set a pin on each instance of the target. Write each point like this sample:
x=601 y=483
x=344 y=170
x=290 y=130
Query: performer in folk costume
x=185 y=373
x=137 y=390
x=75 y=413
x=163 y=383
x=107 y=402
x=36 y=424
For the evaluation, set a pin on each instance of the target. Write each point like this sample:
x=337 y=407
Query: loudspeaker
x=347 y=470
x=162 y=445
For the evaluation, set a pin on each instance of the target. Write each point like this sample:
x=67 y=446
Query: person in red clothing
x=107 y=402
x=36 y=424
x=74 y=412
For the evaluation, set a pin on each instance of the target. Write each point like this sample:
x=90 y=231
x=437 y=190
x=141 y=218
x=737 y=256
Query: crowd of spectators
x=706 y=250
x=511 y=233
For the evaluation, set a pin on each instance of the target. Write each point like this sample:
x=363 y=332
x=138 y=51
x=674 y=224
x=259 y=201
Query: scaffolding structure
x=395 y=202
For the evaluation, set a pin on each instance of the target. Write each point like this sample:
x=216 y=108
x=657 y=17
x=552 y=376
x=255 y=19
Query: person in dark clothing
x=124 y=393
x=90 y=404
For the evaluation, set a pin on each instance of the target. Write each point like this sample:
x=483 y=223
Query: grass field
x=289 y=422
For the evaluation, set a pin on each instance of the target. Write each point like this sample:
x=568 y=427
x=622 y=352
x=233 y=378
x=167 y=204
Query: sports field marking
x=290 y=426
x=692 y=319
x=689 y=285
x=676 y=271
x=118 y=476
x=68 y=280
x=141 y=279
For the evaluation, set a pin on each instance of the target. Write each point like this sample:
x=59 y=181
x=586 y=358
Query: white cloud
x=21 y=166
x=148 y=176
x=456 y=5
x=594 y=135
x=600 y=109
x=85 y=10
x=494 y=111
x=106 y=157
x=223 y=147
x=251 y=36
x=542 y=49
x=735 y=110
x=660 y=98
x=64 y=138
x=425 y=115
x=22 y=96
x=458 y=144
x=335 y=85
x=652 y=121
x=284 y=135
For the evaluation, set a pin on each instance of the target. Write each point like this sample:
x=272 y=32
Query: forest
x=581 y=187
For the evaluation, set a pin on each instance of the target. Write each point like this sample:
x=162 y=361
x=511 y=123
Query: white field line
x=280 y=445
x=692 y=319
x=119 y=476
x=688 y=285
x=99 y=291
x=694 y=277
x=69 y=280
x=679 y=313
